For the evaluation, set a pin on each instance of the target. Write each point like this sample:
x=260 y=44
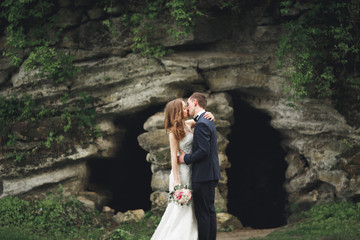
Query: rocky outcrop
x=75 y=176
x=322 y=149
x=227 y=222
x=129 y=216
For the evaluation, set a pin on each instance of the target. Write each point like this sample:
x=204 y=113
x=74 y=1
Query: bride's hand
x=180 y=158
x=210 y=116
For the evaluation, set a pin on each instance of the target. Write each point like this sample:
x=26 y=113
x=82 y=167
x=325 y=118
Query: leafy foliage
x=324 y=43
x=28 y=23
x=63 y=217
x=54 y=65
x=143 y=29
x=79 y=118
x=185 y=14
x=142 y=230
x=13 y=110
x=83 y=113
x=55 y=216
x=180 y=17
x=31 y=24
x=17 y=109
x=333 y=221
x=9 y=233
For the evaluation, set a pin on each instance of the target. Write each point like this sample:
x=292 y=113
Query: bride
x=178 y=222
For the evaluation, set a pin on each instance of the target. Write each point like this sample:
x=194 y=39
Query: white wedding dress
x=179 y=222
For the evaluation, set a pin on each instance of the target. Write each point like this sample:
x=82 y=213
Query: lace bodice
x=185 y=145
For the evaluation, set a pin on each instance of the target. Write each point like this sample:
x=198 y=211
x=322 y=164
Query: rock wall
x=240 y=56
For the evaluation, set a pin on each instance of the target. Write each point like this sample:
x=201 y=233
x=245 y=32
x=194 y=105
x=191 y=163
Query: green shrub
x=31 y=24
x=80 y=118
x=142 y=230
x=332 y=221
x=56 y=216
x=337 y=220
x=59 y=217
x=52 y=64
x=13 y=211
x=7 y=233
x=323 y=47
x=28 y=24
x=182 y=14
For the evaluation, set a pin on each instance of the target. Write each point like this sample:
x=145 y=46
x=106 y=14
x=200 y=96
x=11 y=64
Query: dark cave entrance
x=126 y=177
x=257 y=174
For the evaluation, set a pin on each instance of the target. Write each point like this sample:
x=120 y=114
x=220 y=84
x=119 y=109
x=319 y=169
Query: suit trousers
x=204 y=199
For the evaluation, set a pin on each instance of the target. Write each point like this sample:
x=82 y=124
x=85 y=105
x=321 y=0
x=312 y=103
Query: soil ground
x=244 y=234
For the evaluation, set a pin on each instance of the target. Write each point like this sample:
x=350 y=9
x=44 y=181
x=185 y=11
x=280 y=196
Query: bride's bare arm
x=207 y=115
x=174 y=148
x=191 y=123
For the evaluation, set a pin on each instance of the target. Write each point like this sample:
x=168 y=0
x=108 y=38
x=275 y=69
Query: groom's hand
x=181 y=157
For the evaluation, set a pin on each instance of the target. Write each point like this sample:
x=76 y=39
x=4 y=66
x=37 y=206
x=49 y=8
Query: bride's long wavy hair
x=175 y=119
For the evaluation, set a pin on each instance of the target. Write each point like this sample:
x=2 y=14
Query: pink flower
x=181 y=194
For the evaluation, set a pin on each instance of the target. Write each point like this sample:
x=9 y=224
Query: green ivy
x=17 y=109
x=31 y=24
x=78 y=118
x=12 y=211
x=184 y=15
x=83 y=114
x=340 y=220
x=28 y=23
x=143 y=29
x=52 y=64
x=49 y=140
x=56 y=215
x=336 y=220
x=323 y=44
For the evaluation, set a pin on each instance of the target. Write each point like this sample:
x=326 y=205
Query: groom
x=205 y=168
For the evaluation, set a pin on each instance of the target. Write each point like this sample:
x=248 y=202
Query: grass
x=142 y=230
x=329 y=221
x=9 y=233
x=58 y=217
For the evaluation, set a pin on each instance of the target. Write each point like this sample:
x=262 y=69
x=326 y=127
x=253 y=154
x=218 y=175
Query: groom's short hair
x=200 y=98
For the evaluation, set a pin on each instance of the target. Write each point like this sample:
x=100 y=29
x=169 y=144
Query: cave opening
x=257 y=174
x=125 y=178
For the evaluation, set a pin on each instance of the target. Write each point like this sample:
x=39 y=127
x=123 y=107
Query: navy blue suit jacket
x=204 y=156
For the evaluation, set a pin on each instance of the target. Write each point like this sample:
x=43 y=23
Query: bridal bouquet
x=181 y=195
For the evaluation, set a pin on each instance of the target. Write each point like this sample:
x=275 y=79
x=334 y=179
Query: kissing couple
x=194 y=162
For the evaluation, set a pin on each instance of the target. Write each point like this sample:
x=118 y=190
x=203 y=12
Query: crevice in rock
x=125 y=178
x=304 y=161
x=191 y=47
x=320 y=190
x=257 y=174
